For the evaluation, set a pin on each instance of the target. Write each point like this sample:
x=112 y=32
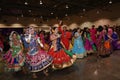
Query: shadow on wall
x=71 y=26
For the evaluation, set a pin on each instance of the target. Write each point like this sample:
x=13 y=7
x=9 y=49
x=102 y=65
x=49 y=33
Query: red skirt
x=59 y=57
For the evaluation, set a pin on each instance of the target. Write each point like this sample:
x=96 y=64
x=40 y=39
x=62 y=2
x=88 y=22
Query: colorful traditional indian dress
x=93 y=33
x=61 y=57
x=14 y=56
x=115 y=41
x=107 y=44
x=36 y=58
x=1 y=46
x=65 y=38
x=78 y=47
x=42 y=38
x=1 y=51
x=88 y=43
x=103 y=44
x=23 y=38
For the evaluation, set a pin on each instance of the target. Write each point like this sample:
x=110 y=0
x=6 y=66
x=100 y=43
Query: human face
x=26 y=31
x=64 y=28
x=31 y=30
x=14 y=36
x=78 y=30
x=56 y=30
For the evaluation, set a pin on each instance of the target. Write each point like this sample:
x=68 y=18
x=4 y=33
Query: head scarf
x=11 y=34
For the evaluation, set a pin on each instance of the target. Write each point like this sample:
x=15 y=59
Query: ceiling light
x=98 y=12
x=26 y=3
x=110 y=2
x=55 y=5
x=51 y=12
x=67 y=6
x=66 y=14
x=41 y=17
x=17 y=18
x=22 y=15
x=81 y=16
x=34 y=19
x=29 y=10
x=84 y=10
x=41 y=2
x=47 y=20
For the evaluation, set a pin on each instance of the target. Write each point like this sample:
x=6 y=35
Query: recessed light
x=110 y=2
x=66 y=14
x=55 y=5
x=41 y=2
x=22 y=15
x=29 y=10
x=26 y=3
x=41 y=17
x=84 y=10
x=98 y=12
x=51 y=12
x=81 y=16
x=17 y=18
x=67 y=6
x=34 y=19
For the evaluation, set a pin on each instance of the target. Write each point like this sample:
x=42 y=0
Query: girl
x=88 y=43
x=14 y=56
x=103 y=42
x=115 y=41
x=61 y=57
x=36 y=58
x=78 y=47
x=1 y=45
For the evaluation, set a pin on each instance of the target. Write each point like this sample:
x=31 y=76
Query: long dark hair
x=85 y=32
x=100 y=28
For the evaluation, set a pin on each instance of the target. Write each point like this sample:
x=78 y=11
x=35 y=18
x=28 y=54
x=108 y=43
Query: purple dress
x=88 y=43
x=115 y=41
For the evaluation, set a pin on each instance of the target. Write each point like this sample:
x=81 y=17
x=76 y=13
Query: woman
x=42 y=38
x=1 y=45
x=88 y=43
x=36 y=59
x=14 y=57
x=78 y=46
x=65 y=36
x=1 y=51
x=61 y=57
x=107 y=42
x=103 y=43
x=93 y=33
x=115 y=41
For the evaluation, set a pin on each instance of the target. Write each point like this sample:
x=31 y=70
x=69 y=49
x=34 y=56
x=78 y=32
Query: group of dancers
x=31 y=49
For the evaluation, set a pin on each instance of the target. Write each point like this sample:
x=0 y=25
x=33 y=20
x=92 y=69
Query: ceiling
x=50 y=8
